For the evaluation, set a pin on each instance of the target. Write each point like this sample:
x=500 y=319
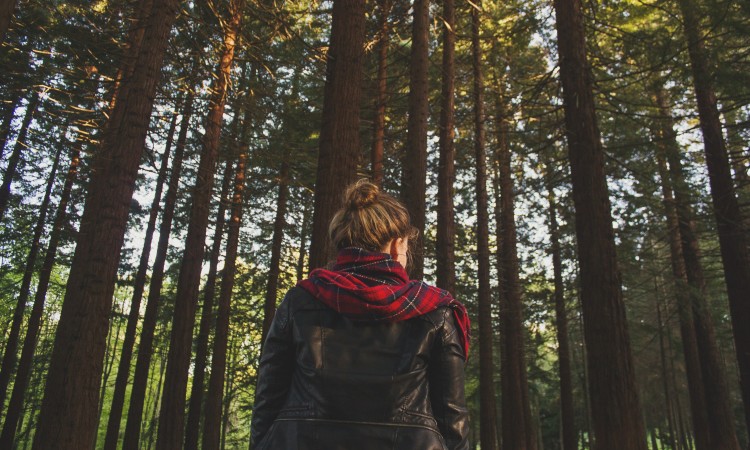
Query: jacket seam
x=357 y=422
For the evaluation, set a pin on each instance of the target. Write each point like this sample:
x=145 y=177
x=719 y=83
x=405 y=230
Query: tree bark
x=445 y=274
x=213 y=422
x=339 y=136
x=516 y=411
x=567 y=411
x=68 y=412
x=303 y=241
x=610 y=362
x=732 y=237
x=35 y=318
x=15 y=157
x=126 y=356
x=145 y=346
x=269 y=307
x=487 y=422
x=171 y=416
x=414 y=173
x=204 y=329
x=9 y=112
x=7 y=7
x=376 y=155
x=11 y=343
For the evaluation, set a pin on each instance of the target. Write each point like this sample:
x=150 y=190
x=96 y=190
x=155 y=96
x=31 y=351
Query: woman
x=359 y=357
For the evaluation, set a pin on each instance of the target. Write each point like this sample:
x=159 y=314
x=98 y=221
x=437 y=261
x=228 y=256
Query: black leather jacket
x=329 y=383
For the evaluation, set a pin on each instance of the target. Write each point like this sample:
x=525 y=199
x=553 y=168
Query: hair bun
x=361 y=195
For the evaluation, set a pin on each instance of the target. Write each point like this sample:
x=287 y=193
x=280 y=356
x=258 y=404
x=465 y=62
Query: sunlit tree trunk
x=610 y=362
x=25 y=363
x=193 y=425
x=376 y=154
x=487 y=422
x=171 y=416
x=445 y=275
x=339 y=136
x=414 y=173
x=734 y=250
x=139 y=284
x=213 y=422
x=76 y=363
x=148 y=327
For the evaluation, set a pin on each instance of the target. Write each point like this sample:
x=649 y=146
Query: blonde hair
x=369 y=219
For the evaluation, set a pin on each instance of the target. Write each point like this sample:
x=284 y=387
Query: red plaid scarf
x=370 y=286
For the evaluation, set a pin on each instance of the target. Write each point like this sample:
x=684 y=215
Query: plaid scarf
x=371 y=286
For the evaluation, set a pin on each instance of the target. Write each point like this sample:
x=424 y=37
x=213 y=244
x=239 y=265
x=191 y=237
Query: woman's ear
x=393 y=248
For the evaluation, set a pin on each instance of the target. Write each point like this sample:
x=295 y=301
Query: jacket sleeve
x=446 y=378
x=274 y=373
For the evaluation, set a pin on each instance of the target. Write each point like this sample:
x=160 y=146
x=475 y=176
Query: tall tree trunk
x=661 y=324
x=734 y=250
x=35 y=318
x=516 y=411
x=376 y=154
x=145 y=346
x=445 y=275
x=11 y=343
x=7 y=7
x=123 y=369
x=611 y=372
x=68 y=413
x=192 y=429
x=171 y=416
x=15 y=157
x=720 y=420
x=567 y=410
x=133 y=43
x=414 y=173
x=487 y=423
x=339 y=136
x=9 y=112
x=212 y=428
x=695 y=380
x=269 y=307
x=113 y=338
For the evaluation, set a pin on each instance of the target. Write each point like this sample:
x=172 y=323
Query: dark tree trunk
x=192 y=429
x=7 y=7
x=15 y=157
x=171 y=416
x=123 y=369
x=269 y=307
x=339 y=136
x=133 y=43
x=720 y=420
x=610 y=362
x=414 y=174
x=661 y=324
x=145 y=346
x=213 y=422
x=516 y=412
x=9 y=112
x=569 y=432
x=11 y=343
x=445 y=275
x=695 y=380
x=734 y=250
x=376 y=155
x=487 y=422
x=35 y=318
x=68 y=413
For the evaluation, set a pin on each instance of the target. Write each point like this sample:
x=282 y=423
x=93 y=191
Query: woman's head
x=369 y=219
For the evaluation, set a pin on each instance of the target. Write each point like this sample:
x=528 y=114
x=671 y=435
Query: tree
x=414 y=173
x=610 y=362
x=339 y=136
x=68 y=412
